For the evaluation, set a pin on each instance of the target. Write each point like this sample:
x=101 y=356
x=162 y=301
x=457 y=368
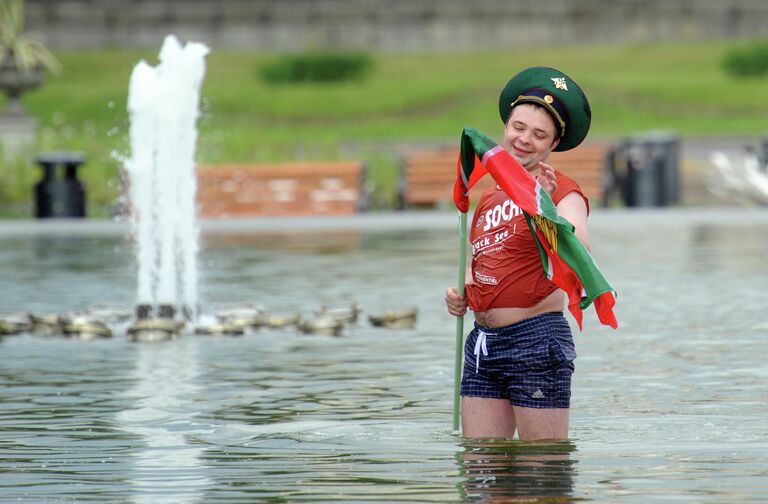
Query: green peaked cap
x=558 y=93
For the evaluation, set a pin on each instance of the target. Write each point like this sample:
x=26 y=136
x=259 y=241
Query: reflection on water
x=167 y=468
x=514 y=471
x=669 y=408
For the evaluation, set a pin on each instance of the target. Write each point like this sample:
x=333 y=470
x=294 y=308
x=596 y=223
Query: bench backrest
x=586 y=165
x=306 y=188
x=427 y=178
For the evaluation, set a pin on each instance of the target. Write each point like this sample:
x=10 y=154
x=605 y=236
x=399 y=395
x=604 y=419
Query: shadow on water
x=517 y=471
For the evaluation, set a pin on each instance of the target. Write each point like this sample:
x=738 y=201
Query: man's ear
x=555 y=143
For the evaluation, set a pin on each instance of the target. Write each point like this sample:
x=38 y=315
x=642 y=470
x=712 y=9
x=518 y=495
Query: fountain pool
x=669 y=408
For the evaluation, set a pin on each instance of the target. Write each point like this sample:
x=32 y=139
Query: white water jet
x=744 y=177
x=163 y=103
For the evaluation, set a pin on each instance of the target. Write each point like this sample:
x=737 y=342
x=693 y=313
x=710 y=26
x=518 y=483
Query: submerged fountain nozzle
x=155 y=323
x=144 y=311
x=166 y=311
x=163 y=311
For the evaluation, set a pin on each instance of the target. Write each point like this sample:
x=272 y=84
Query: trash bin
x=60 y=193
x=644 y=170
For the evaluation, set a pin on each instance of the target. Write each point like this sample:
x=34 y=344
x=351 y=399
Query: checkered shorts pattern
x=529 y=362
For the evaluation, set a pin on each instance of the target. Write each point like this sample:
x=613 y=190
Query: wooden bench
x=427 y=178
x=305 y=188
x=586 y=165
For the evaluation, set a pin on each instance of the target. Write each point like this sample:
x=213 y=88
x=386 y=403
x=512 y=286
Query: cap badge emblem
x=560 y=83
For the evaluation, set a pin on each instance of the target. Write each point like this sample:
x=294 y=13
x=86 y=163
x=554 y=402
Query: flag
x=566 y=262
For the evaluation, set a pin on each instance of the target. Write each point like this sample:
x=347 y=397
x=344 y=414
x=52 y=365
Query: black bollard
x=60 y=196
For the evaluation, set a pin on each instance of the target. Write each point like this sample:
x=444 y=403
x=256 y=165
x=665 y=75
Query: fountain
x=744 y=177
x=163 y=106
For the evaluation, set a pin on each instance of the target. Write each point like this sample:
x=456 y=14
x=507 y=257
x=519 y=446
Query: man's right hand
x=457 y=305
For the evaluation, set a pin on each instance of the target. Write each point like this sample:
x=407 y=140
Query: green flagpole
x=459 y=320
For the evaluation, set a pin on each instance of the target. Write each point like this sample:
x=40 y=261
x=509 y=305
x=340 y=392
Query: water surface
x=669 y=408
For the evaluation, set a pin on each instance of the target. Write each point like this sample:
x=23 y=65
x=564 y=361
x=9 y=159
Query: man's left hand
x=546 y=177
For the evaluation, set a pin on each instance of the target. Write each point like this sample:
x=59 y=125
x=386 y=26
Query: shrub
x=317 y=67
x=748 y=60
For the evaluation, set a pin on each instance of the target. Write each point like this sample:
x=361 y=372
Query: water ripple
x=669 y=408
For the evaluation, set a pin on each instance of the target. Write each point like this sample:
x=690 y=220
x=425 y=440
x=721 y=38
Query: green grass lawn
x=406 y=98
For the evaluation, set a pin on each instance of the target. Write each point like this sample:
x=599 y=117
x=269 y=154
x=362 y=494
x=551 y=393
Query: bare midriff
x=501 y=317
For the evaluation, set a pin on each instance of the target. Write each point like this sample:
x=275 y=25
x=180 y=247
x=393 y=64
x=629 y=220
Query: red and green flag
x=565 y=260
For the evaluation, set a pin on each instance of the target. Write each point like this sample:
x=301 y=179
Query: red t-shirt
x=506 y=265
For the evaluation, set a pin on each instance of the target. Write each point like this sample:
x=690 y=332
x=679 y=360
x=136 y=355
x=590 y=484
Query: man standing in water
x=519 y=356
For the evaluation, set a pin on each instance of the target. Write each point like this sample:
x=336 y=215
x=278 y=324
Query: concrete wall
x=388 y=25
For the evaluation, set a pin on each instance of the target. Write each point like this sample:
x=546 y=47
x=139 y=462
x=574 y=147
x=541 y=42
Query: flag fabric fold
x=566 y=262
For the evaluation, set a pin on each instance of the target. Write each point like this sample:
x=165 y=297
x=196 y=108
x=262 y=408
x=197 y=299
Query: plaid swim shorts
x=529 y=362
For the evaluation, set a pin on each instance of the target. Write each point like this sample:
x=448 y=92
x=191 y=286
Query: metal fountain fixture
x=155 y=324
